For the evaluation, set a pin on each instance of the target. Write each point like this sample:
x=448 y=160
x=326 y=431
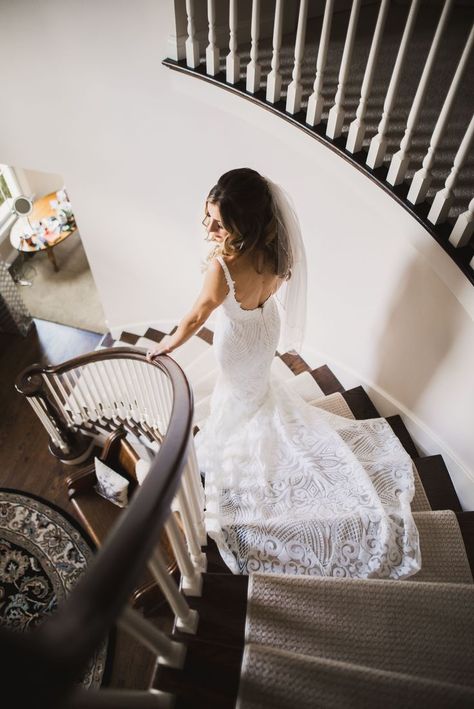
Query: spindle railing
x=305 y=112
x=78 y=401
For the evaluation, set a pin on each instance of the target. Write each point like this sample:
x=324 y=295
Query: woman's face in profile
x=213 y=223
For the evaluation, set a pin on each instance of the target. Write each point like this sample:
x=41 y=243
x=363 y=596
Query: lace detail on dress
x=292 y=488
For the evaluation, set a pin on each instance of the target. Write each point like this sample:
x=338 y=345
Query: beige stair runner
x=275 y=679
x=422 y=629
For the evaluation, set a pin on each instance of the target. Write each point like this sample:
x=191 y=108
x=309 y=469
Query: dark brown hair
x=248 y=214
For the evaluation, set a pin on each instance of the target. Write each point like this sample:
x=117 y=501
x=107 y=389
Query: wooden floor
x=27 y=464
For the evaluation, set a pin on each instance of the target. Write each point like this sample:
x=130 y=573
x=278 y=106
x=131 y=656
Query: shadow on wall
x=419 y=321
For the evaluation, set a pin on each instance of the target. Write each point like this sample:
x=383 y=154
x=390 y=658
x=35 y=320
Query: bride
x=289 y=487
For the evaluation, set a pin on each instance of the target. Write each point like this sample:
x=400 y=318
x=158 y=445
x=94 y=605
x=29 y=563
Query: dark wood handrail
x=45 y=663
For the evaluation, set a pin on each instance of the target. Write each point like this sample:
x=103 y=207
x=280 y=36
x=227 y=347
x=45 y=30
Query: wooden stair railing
x=40 y=668
x=304 y=109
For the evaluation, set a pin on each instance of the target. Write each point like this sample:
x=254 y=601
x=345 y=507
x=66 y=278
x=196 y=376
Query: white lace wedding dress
x=291 y=488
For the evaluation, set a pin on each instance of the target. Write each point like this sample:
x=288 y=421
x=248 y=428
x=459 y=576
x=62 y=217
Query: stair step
x=295 y=362
x=154 y=335
x=215 y=563
x=360 y=403
x=402 y=434
x=437 y=483
x=222 y=609
x=443 y=553
x=276 y=679
x=466 y=525
x=425 y=629
x=327 y=381
x=206 y=335
x=129 y=338
x=280 y=370
x=210 y=677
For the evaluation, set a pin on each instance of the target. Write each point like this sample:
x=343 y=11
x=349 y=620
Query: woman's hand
x=163 y=347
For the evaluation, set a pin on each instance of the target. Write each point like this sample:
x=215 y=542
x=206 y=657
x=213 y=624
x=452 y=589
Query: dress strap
x=227 y=275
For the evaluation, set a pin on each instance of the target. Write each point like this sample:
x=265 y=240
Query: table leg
x=52 y=258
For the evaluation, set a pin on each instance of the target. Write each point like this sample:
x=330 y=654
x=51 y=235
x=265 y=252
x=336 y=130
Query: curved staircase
x=272 y=640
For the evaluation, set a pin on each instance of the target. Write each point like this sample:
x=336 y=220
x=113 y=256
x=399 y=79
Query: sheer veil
x=292 y=295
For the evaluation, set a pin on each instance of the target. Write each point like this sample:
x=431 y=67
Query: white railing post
x=316 y=101
x=169 y=653
x=190 y=532
x=464 y=227
x=212 y=50
x=357 y=127
x=401 y=159
x=192 y=45
x=177 y=37
x=186 y=618
x=274 y=77
x=444 y=198
x=191 y=578
x=336 y=114
x=232 y=62
x=422 y=178
x=295 y=89
x=254 y=70
x=378 y=144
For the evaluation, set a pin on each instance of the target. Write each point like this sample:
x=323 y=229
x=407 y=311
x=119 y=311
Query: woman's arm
x=213 y=292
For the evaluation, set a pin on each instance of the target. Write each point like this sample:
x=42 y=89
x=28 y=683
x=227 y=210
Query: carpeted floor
x=68 y=296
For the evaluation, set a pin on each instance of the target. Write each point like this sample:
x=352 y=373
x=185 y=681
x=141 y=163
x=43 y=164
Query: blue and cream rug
x=43 y=552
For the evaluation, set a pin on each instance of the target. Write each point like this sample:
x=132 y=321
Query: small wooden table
x=22 y=239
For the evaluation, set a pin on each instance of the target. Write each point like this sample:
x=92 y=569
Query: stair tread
x=466 y=525
x=278 y=679
x=327 y=381
x=400 y=430
x=295 y=362
x=360 y=403
x=129 y=337
x=437 y=483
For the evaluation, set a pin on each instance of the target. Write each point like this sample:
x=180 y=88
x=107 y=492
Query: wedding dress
x=291 y=488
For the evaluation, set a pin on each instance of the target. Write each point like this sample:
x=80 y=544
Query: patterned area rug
x=43 y=553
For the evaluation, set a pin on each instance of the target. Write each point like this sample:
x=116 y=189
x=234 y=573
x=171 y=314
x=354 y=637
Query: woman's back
x=253 y=283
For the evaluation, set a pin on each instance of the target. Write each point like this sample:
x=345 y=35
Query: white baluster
x=88 y=376
x=316 y=101
x=194 y=504
x=48 y=425
x=192 y=45
x=170 y=653
x=120 y=389
x=157 y=418
x=195 y=477
x=401 y=159
x=295 y=89
x=178 y=34
x=444 y=198
x=49 y=383
x=232 y=62
x=212 y=50
x=464 y=227
x=274 y=77
x=74 y=398
x=254 y=70
x=145 y=391
x=190 y=532
x=357 y=127
x=422 y=178
x=107 y=391
x=89 y=403
x=378 y=144
x=141 y=391
x=186 y=618
x=191 y=578
x=336 y=114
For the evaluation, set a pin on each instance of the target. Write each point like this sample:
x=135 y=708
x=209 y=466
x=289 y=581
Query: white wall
x=139 y=146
